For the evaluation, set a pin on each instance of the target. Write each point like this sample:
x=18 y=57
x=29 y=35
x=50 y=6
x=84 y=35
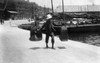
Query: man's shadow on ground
x=59 y=47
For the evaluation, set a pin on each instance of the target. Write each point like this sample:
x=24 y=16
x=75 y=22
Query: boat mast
x=44 y=10
x=52 y=6
x=63 y=9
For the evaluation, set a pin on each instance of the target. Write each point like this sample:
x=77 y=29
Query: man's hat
x=49 y=16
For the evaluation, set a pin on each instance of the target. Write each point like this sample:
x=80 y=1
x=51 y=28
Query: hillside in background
x=23 y=8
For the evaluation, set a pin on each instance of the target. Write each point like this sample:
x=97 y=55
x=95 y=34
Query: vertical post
x=63 y=9
x=32 y=16
x=32 y=12
x=52 y=6
x=87 y=8
x=44 y=9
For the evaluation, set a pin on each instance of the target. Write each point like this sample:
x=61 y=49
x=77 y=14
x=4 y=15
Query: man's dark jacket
x=48 y=26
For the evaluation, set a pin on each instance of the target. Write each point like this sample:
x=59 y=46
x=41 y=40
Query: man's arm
x=44 y=25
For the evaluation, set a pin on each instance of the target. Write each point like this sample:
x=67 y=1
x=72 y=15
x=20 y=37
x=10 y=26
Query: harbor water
x=92 y=38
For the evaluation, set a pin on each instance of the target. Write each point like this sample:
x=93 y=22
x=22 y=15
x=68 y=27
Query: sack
x=36 y=37
x=63 y=33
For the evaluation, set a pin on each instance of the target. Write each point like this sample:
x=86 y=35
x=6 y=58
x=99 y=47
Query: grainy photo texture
x=49 y=31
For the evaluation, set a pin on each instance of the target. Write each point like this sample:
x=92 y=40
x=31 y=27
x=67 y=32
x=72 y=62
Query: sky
x=47 y=3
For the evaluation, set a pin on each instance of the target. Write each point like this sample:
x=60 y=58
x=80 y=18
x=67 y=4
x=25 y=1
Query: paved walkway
x=15 y=47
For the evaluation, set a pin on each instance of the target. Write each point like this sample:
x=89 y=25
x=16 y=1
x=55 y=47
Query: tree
x=25 y=9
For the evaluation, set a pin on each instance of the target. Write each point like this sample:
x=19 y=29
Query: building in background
x=2 y=3
x=79 y=8
x=81 y=11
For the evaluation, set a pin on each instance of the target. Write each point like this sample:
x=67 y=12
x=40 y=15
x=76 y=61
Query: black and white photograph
x=49 y=31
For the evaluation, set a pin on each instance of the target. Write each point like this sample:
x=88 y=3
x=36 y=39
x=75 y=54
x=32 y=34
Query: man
x=1 y=20
x=49 y=30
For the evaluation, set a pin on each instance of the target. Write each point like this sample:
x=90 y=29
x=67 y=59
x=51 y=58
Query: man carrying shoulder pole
x=49 y=30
